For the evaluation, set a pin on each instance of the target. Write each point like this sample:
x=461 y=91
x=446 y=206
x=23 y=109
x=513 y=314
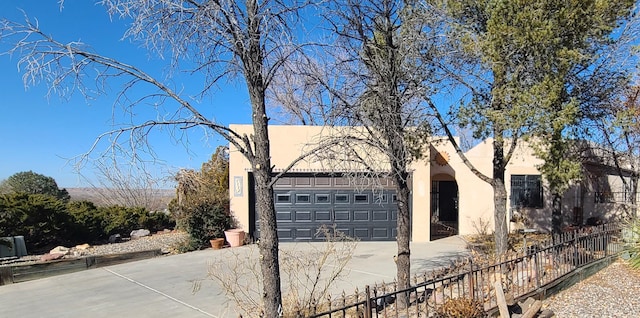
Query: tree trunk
x=253 y=60
x=500 y=216
x=268 y=245
x=403 y=260
x=556 y=212
x=499 y=196
x=634 y=195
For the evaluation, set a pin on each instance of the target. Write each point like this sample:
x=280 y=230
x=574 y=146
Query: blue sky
x=41 y=134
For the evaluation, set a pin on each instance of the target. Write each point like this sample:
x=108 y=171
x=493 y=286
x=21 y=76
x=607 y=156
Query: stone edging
x=11 y=274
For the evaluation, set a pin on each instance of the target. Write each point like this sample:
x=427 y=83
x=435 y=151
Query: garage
x=306 y=202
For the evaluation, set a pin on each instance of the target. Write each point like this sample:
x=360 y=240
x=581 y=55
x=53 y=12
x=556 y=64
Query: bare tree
x=303 y=92
x=130 y=185
x=372 y=81
x=617 y=131
x=218 y=40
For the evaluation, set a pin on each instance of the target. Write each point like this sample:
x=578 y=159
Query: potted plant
x=235 y=237
x=217 y=243
x=206 y=223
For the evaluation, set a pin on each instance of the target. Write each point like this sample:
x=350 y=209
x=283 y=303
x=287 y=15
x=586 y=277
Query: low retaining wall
x=10 y=274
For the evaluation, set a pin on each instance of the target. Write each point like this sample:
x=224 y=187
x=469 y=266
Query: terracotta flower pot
x=235 y=237
x=217 y=243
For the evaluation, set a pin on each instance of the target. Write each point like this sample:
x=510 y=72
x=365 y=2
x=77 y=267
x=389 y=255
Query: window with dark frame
x=283 y=198
x=303 y=198
x=361 y=198
x=381 y=198
x=341 y=198
x=526 y=191
x=603 y=193
x=322 y=198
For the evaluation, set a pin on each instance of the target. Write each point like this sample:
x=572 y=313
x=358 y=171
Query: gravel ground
x=166 y=242
x=612 y=292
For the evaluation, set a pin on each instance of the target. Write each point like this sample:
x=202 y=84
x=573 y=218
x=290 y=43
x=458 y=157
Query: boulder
x=139 y=233
x=83 y=247
x=115 y=238
x=60 y=250
x=51 y=257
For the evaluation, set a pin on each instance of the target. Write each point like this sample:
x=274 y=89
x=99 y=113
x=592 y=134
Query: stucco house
x=446 y=197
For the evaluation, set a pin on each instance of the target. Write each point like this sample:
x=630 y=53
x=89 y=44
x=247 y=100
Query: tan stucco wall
x=475 y=205
x=287 y=144
x=420 y=200
x=475 y=196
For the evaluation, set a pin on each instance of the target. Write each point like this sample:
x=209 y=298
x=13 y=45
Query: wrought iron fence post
x=576 y=261
x=537 y=267
x=367 y=303
x=472 y=284
x=605 y=235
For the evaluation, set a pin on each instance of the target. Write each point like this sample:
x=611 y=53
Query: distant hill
x=157 y=199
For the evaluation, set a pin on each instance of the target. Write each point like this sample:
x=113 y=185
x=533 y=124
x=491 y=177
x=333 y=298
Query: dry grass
x=307 y=274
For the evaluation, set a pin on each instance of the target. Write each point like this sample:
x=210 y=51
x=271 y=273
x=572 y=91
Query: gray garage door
x=304 y=203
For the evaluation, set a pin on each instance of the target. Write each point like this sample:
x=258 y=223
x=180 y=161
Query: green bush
x=123 y=220
x=87 y=222
x=158 y=221
x=46 y=221
x=42 y=219
x=204 y=221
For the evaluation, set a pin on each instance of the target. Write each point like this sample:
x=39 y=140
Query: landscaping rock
x=60 y=250
x=51 y=257
x=115 y=238
x=139 y=233
x=83 y=247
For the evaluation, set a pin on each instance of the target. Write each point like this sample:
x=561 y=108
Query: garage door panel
x=302 y=216
x=361 y=216
x=285 y=234
x=323 y=199
x=381 y=216
x=361 y=232
x=284 y=216
x=341 y=199
x=345 y=231
x=380 y=233
x=301 y=209
x=305 y=233
x=322 y=216
x=342 y=216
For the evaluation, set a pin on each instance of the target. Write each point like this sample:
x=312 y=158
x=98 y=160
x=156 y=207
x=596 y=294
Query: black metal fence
x=538 y=265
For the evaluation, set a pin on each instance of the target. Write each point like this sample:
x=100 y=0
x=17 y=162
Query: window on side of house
x=526 y=191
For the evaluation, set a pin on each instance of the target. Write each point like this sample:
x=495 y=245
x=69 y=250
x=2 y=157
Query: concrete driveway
x=164 y=286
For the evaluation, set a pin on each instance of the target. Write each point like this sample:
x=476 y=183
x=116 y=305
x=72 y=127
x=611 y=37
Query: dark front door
x=444 y=209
